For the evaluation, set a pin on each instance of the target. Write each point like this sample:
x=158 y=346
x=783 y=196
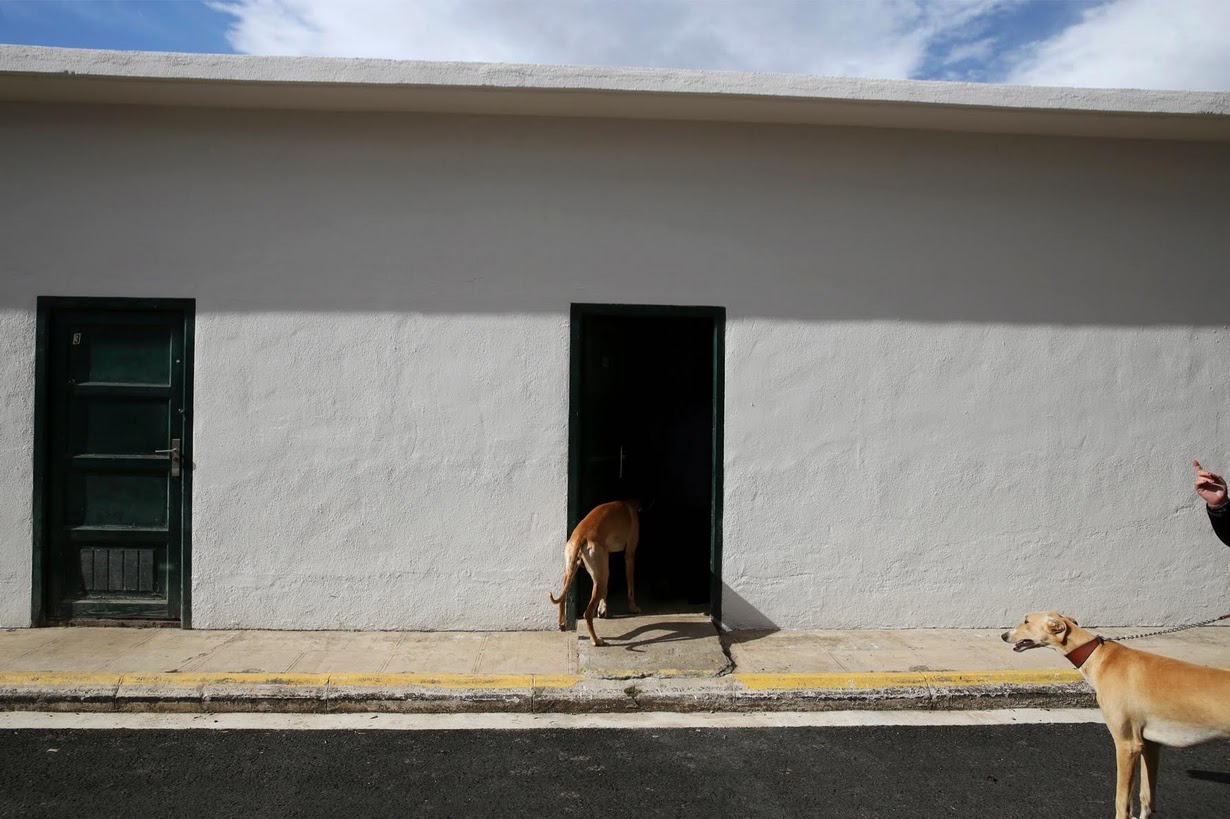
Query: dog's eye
x=1026 y=621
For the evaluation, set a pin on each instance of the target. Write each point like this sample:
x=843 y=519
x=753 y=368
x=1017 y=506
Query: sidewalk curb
x=531 y=693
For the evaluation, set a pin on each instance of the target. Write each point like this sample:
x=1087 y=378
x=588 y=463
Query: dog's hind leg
x=604 y=566
x=572 y=562
x=630 y=566
x=1151 y=759
x=597 y=563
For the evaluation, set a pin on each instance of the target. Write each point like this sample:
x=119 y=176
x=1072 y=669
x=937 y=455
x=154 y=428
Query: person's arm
x=1219 y=516
x=1212 y=488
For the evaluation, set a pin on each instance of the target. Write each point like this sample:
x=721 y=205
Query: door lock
x=175 y=456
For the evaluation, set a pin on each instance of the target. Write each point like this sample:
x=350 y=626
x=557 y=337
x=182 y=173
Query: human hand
x=1210 y=486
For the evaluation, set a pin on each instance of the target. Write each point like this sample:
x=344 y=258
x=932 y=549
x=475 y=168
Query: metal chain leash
x=1170 y=630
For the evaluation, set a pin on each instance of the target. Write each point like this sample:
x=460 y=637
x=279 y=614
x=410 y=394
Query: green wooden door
x=117 y=460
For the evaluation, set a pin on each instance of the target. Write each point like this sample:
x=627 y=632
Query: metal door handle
x=175 y=456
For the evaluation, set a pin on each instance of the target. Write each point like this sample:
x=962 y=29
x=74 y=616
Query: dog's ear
x=1055 y=625
x=1072 y=620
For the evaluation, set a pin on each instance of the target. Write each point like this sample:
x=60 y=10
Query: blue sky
x=1175 y=44
x=128 y=26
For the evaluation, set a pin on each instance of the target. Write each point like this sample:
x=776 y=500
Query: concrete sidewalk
x=662 y=663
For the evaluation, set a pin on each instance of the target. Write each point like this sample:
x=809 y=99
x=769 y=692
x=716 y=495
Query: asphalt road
x=1009 y=771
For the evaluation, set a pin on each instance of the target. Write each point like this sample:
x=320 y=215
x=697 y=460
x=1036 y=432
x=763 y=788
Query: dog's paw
x=599 y=643
x=634 y=609
x=563 y=627
x=602 y=612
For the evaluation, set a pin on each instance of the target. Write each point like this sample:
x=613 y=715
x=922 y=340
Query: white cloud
x=1182 y=44
x=873 y=38
x=979 y=50
x=1162 y=44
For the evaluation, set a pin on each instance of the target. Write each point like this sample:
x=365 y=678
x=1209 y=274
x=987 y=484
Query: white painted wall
x=16 y=455
x=965 y=374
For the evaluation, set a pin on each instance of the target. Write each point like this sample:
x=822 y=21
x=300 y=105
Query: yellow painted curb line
x=751 y=681
x=359 y=680
x=1067 y=675
x=66 y=678
x=863 y=680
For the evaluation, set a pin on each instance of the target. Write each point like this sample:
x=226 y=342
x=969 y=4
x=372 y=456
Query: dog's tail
x=569 y=573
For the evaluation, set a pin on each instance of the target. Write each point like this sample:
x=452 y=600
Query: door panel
x=114 y=494
x=117 y=427
x=133 y=354
x=116 y=499
x=118 y=570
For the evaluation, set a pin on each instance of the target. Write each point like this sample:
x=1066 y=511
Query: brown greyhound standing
x=610 y=528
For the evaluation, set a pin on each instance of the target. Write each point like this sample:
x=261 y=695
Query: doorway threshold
x=652 y=645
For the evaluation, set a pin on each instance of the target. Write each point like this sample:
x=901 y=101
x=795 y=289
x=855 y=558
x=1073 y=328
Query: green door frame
x=575 y=396
x=46 y=305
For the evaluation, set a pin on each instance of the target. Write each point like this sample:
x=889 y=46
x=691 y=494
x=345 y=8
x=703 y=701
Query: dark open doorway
x=646 y=420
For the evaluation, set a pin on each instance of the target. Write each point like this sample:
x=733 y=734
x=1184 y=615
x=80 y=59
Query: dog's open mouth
x=1024 y=645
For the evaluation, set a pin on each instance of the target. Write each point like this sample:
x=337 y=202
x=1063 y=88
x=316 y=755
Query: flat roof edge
x=35 y=73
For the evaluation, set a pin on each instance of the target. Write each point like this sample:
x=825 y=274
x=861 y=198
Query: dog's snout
x=1005 y=636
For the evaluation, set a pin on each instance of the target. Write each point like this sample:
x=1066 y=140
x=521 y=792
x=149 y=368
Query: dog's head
x=1041 y=628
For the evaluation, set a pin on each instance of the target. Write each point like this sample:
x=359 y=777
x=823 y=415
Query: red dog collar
x=1079 y=655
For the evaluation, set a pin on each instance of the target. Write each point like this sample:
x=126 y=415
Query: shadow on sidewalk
x=1210 y=776
x=663 y=631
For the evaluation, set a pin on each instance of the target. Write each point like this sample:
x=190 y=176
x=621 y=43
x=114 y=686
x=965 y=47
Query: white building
x=884 y=354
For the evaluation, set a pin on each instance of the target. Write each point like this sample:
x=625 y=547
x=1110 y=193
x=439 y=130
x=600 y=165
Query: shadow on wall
x=743 y=619
x=413 y=213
